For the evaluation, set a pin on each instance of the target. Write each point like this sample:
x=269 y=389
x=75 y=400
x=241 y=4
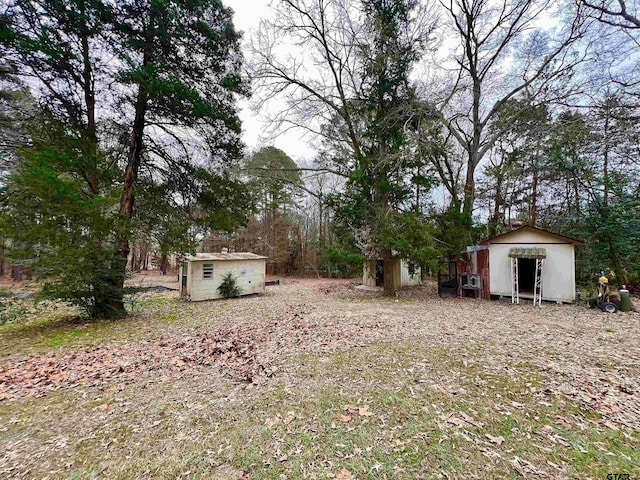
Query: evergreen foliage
x=62 y=233
x=128 y=132
x=164 y=74
x=273 y=178
x=229 y=287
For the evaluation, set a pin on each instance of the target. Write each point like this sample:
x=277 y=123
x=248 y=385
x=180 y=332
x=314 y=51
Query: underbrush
x=22 y=311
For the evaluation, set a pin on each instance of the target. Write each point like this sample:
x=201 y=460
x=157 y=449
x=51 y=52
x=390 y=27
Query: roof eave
x=572 y=241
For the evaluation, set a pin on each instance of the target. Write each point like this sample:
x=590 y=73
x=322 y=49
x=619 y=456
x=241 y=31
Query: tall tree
x=360 y=55
x=492 y=34
x=62 y=184
x=515 y=169
x=273 y=177
x=169 y=87
x=57 y=227
x=53 y=43
x=181 y=62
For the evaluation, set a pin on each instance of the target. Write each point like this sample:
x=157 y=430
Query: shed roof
x=198 y=257
x=570 y=240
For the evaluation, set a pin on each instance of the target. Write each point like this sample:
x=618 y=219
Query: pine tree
x=165 y=74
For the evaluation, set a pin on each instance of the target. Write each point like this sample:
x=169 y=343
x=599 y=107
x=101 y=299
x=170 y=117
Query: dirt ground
x=316 y=379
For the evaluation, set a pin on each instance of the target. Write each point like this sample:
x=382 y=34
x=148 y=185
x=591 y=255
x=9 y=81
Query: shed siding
x=558 y=274
x=250 y=275
x=406 y=279
x=401 y=274
x=368 y=273
x=528 y=236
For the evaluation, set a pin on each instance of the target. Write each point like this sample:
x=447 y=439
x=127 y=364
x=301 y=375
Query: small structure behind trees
x=405 y=273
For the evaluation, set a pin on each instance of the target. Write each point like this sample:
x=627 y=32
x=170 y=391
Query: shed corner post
x=515 y=288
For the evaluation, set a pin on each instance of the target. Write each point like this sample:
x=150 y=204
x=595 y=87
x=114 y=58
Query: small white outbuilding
x=202 y=274
x=529 y=261
x=405 y=273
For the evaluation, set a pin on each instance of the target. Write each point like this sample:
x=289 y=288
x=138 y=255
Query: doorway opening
x=379 y=273
x=526 y=274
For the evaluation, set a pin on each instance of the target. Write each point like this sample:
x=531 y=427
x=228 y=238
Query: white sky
x=247 y=15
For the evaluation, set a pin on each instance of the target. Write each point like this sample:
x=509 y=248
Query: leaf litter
x=566 y=346
x=246 y=352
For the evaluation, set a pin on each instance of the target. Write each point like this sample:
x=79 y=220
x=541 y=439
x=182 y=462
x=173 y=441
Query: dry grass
x=365 y=388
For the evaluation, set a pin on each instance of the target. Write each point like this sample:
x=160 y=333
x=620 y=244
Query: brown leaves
x=364 y=411
x=344 y=474
x=460 y=422
x=352 y=410
x=345 y=418
x=495 y=440
x=36 y=375
x=271 y=422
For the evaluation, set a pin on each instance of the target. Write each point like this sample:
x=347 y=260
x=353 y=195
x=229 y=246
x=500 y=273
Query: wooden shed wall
x=401 y=274
x=406 y=278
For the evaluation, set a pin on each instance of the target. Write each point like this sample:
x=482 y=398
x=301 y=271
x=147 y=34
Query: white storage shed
x=529 y=262
x=202 y=274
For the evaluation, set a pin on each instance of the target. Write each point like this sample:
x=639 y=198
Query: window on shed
x=207 y=271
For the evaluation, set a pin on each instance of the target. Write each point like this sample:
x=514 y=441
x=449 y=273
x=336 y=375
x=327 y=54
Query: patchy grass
x=419 y=388
x=60 y=339
x=61 y=327
x=391 y=410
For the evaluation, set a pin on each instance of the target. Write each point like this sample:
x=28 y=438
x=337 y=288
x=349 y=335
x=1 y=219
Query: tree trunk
x=606 y=159
x=470 y=186
x=90 y=132
x=533 y=211
x=494 y=221
x=164 y=263
x=469 y=198
x=108 y=300
x=127 y=201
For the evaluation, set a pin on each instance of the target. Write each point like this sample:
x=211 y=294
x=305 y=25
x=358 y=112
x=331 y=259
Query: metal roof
x=527 y=252
x=223 y=256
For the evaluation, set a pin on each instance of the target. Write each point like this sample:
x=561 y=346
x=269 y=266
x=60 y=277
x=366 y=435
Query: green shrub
x=229 y=287
x=343 y=263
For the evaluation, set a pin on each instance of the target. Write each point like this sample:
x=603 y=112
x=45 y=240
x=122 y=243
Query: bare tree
x=347 y=84
x=617 y=31
x=616 y=13
x=502 y=55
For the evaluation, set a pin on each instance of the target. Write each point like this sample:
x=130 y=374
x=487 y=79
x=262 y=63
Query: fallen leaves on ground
x=344 y=474
x=246 y=352
x=577 y=354
x=495 y=440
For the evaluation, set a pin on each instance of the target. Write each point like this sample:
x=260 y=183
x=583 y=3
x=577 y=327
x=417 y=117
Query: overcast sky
x=247 y=15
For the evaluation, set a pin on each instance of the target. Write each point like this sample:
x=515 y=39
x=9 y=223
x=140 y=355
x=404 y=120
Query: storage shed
x=202 y=274
x=405 y=273
x=532 y=263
